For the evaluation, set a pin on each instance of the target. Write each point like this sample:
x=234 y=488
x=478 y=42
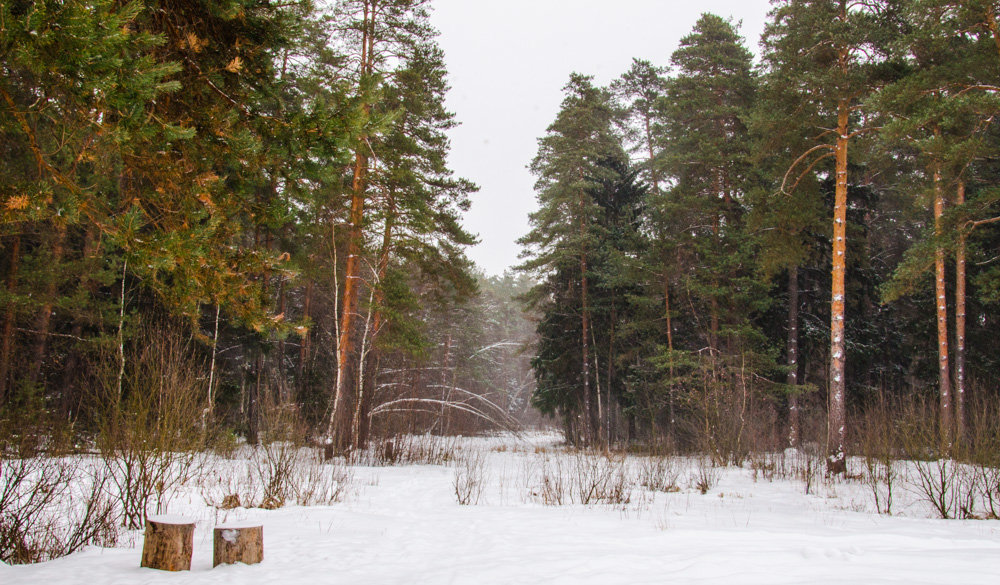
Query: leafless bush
x=150 y=433
x=659 y=474
x=950 y=488
x=981 y=449
x=989 y=485
x=316 y=482
x=272 y=466
x=880 y=476
x=281 y=469
x=409 y=450
x=272 y=475
x=706 y=475
x=553 y=487
x=470 y=478
x=876 y=443
x=767 y=466
x=943 y=483
x=601 y=479
x=49 y=509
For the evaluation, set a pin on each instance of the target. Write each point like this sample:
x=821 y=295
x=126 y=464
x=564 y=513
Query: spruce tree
x=560 y=244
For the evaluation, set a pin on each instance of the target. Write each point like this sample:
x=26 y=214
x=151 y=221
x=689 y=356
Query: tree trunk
x=611 y=370
x=305 y=336
x=8 y=320
x=585 y=326
x=960 y=325
x=44 y=322
x=794 y=432
x=352 y=266
x=837 y=415
x=168 y=543
x=237 y=543
x=253 y=401
x=284 y=390
x=670 y=348
x=654 y=173
x=944 y=371
x=70 y=375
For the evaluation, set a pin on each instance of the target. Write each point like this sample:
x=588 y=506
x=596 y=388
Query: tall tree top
x=713 y=48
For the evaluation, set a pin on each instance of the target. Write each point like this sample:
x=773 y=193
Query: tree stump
x=168 y=543
x=238 y=543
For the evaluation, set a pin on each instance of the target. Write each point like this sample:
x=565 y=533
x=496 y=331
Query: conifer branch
x=791 y=167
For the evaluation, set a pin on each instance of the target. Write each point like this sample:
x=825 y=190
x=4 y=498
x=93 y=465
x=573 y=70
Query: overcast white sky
x=508 y=61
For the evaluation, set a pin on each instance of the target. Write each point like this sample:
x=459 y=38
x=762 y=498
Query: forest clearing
x=749 y=334
x=537 y=512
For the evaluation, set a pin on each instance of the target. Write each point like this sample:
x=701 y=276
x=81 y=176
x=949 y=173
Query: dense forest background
x=238 y=216
x=227 y=218
x=735 y=257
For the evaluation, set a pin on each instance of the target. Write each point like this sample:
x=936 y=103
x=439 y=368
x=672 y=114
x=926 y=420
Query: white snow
x=231 y=536
x=402 y=525
x=171 y=519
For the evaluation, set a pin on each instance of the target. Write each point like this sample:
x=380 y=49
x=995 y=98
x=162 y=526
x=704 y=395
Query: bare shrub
x=946 y=485
x=470 y=478
x=600 y=479
x=767 y=466
x=659 y=474
x=316 y=482
x=553 y=487
x=706 y=475
x=989 y=485
x=409 y=450
x=728 y=411
x=880 y=476
x=934 y=484
x=981 y=448
x=51 y=508
x=280 y=470
x=876 y=440
x=150 y=430
x=273 y=465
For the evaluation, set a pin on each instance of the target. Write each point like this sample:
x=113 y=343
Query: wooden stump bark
x=238 y=543
x=168 y=543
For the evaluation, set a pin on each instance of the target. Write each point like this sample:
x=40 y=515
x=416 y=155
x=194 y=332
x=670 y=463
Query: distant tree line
x=733 y=256
x=266 y=182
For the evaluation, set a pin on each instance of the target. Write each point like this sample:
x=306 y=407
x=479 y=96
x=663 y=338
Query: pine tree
x=76 y=78
x=560 y=244
x=706 y=153
x=829 y=52
x=939 y=111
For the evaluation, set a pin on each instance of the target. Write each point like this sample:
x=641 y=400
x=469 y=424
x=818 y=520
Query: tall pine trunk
x=670 y=347
x=837 y=410
x=941 y=302
x=349 y=300
x=585 y=325
x=585 y=334
x=960 y=325
x=352 y=266
x=794 y=431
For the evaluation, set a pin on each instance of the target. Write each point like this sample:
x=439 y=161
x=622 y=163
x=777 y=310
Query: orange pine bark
x=941 y=303
x=352 y=265
x=837 y=415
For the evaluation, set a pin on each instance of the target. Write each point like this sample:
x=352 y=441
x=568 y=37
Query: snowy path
x=403 y=526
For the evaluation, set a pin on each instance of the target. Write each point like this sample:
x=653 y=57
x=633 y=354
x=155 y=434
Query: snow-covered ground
x=403 y=525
